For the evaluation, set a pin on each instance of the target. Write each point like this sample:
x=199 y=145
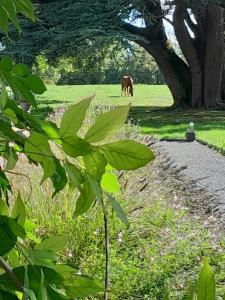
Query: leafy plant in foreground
x=87 y=164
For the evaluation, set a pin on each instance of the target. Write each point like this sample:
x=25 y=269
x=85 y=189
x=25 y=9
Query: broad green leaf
x=75 y=146
x=95 y=185
x=9 y=7
x=6 y=64
x=21 y=70
x=95 y=163
x=110 y=183
x=74 y=175
x=37 y=147
x=42 y=257
x=56 y=294
x=55 y=243
x=4 y=184
x=51 y=131
x=86 y=199
x=127 y=155
x=9 y=113
x=73 y=118
x=25 y=7
x=206 y=283
x=3 y=96
x=9 y=231
x=25 y=92
x=12 y=159
x=59 y=179
x=119 y=211
x=35 y=84
x=82 y=286
x=34 y=276
x=19 y=211
x=4 y=23
x=107 y=124
x=49 y=168
x=4 y=211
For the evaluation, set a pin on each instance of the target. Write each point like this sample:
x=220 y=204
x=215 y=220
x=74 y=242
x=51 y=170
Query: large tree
x=195 y=80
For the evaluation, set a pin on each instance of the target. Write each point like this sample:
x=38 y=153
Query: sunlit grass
x=150 y=108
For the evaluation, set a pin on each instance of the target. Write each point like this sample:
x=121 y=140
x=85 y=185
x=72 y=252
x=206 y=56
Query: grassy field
x=150 y=108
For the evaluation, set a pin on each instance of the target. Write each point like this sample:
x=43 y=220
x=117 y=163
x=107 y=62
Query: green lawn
x=150 y=107
x=144 y=95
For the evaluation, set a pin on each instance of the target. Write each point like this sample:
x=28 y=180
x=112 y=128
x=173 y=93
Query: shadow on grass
x=45 y=107
x=167 y=122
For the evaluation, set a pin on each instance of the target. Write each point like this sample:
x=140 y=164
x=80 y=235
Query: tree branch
x=11 y=275
x=134 y=29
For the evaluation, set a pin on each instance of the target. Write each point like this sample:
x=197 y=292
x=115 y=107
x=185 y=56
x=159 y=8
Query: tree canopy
x=65 y=25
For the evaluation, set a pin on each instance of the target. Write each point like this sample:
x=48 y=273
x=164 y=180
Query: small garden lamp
x=190 y=133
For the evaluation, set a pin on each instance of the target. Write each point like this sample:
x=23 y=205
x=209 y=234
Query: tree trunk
x=175 y=72
x=189 y=51
x=214 y=56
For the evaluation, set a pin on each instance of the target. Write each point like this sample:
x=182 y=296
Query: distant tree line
x=101 y=66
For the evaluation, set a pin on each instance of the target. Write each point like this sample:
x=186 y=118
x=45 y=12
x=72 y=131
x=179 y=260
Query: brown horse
x=127 y=86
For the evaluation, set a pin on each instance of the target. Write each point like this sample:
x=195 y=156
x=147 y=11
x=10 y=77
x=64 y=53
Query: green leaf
x=127 y=155
x=75 y=146
x=30 y=294
x=54 y=244
x=59 y=179
x=10 y=114
x=4 y=23
x=7 y=296
x=54 y=294
x=83 y=286
x=19 y=211
x=33 y=273
x=51 y=131
x=86 y=199
x=49 y=168
x=4 y=211
x=9 y=231
x=191 y=292
x=21 y=70
x=35 y=84
x=23 y=90
x=6 y=64
x=110 y=183
x=12 y=159
x=107 y=124
x=37 y=147
x=25 y=7
x=119 y=211
x=74 y=174
x=206 y=283
x=4 y=185
x=42 y=257
x=73 y=118
x=95 y=163
x=9 y=7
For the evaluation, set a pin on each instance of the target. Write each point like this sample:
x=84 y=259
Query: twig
x=11 y=275
x=107 y=252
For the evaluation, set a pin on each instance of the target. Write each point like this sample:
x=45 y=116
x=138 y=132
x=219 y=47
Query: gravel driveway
x=201 y=164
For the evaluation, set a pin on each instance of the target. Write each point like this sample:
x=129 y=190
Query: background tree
x=102 y=66
x=198 y=26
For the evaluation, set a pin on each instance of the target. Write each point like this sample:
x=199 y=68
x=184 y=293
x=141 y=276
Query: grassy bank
x=161 y=249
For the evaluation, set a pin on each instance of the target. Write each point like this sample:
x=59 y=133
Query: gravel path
x=199 y=164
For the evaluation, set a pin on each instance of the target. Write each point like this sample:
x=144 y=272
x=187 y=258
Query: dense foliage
x=100 y=66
